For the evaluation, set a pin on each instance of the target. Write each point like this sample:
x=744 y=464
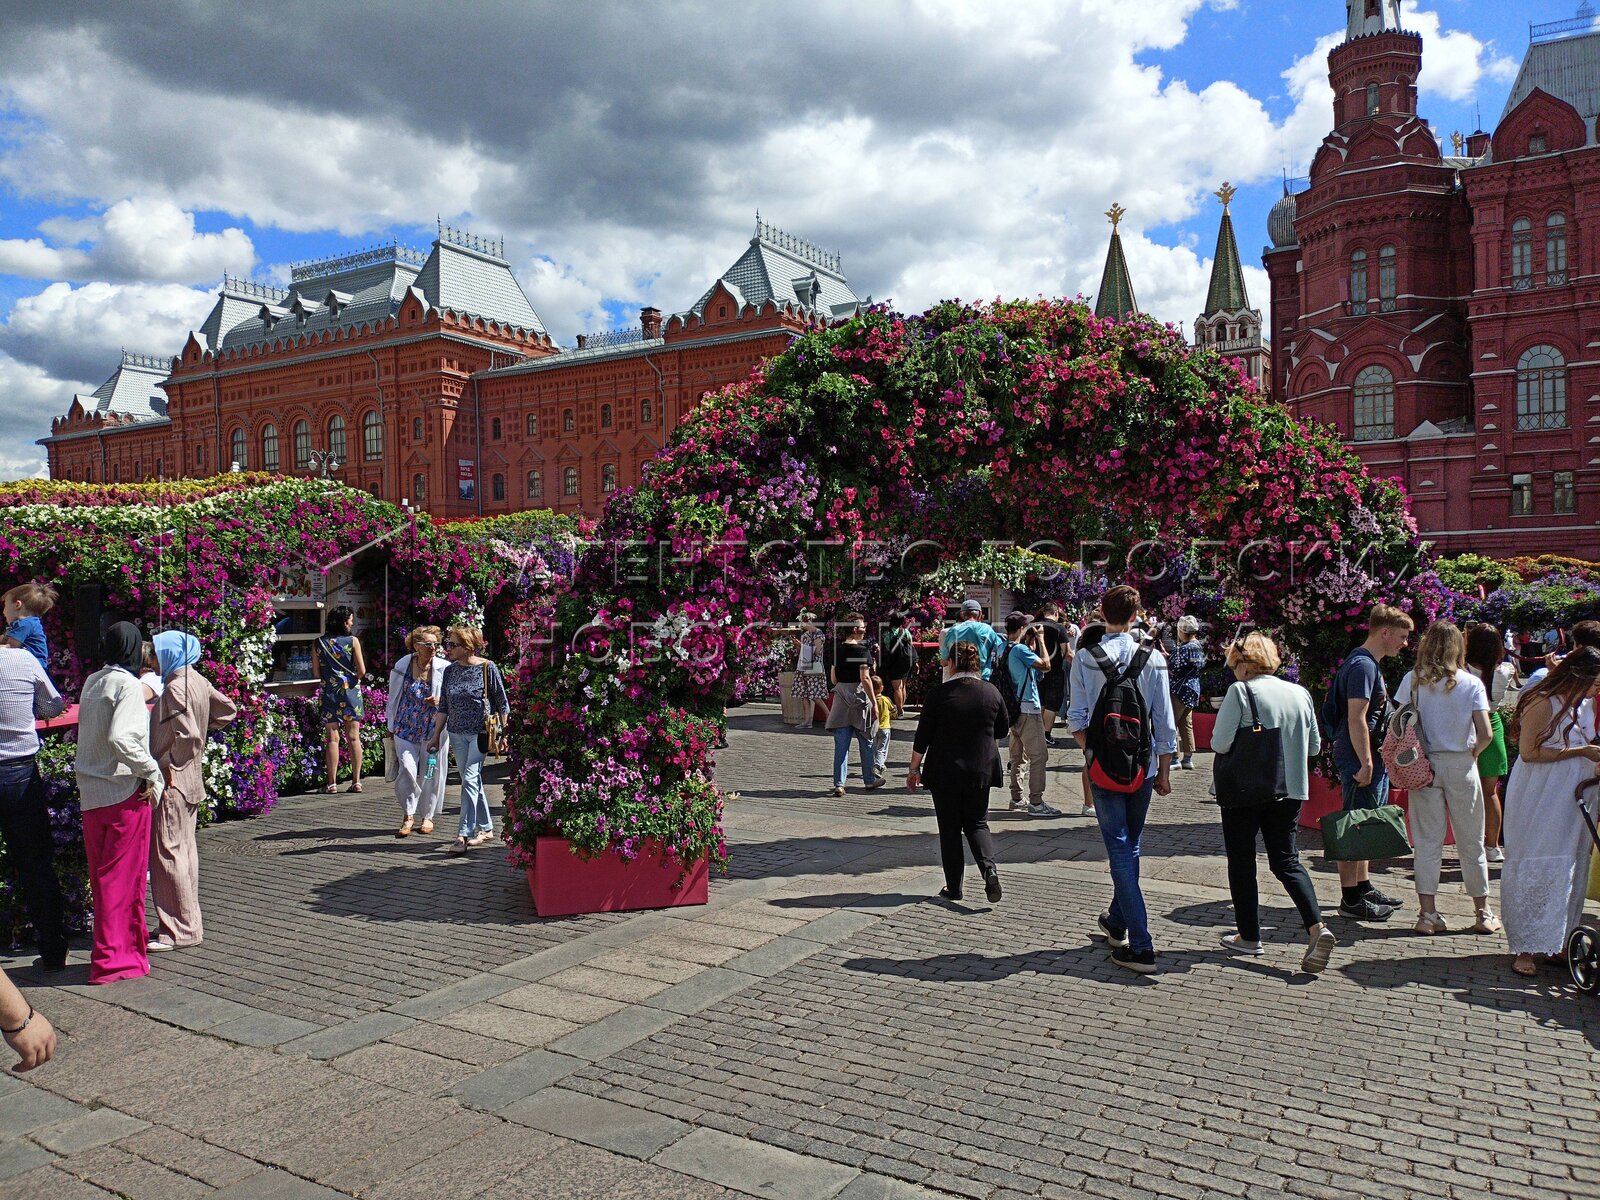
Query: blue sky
x=944 y=147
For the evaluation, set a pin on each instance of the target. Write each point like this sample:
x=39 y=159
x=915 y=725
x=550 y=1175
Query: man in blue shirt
x=1126 y=925
x=973 y=628
x=1024 y=661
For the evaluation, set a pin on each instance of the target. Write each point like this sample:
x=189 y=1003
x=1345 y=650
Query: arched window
x=569 y=481
x=419 y=489
x=533 y=427
x=302 y=446
x=1374 y=407
x=1372 y=99
x=608 y=477
x=605 y=416
x=494 y=429
x=498 y=487
x=372 y=436
x=1388 y=282
x=269 y=448
x=1358 y=284
x=200 y=456
x=1522 y=253
x=535 y=485
x=568 y=421
x=236 y=450
x=1542 y=389
x=1555 y=249
x=337 y=443
x=416 y=429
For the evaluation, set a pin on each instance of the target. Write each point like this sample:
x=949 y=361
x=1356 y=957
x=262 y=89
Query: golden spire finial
x=1226 y=193
x=1458 y=142
x=1116 y=212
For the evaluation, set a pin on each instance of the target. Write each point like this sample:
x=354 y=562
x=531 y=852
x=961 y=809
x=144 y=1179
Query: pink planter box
x=563 y=884
x=1204 y=723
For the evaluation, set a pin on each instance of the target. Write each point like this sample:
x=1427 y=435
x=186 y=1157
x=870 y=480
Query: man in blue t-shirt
x=1360 y=699
x=973 y=628
x=1024 y=661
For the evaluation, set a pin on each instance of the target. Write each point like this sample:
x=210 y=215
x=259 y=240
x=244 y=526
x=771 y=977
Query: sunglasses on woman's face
x=451 y=645
x=427 y=645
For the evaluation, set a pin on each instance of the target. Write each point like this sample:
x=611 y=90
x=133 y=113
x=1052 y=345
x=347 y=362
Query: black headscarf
x=123 y=646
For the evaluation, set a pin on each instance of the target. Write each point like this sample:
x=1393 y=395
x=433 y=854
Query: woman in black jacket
x=962 y=720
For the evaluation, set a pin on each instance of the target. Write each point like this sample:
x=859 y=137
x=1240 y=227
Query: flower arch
x=846 y=469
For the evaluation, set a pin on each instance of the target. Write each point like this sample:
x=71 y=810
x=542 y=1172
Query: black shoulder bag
x=1250 y=773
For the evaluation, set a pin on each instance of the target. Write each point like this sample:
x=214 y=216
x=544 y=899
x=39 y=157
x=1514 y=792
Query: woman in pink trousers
x=118 y=782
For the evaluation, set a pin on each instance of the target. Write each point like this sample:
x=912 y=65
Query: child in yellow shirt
x=880 y=743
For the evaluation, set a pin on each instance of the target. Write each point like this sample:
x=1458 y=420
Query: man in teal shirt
x=973 y=628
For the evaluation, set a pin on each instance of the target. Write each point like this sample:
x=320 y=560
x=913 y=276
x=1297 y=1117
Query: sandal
x=1525 y=965
x=427 y=827
x=354 y=787
x=331 y=790
x=481 y=839
x=405 y=828
x=836 y=792
x=1487 y=922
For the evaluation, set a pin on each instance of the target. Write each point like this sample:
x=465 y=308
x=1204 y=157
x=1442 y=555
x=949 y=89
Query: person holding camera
x=1022 y=665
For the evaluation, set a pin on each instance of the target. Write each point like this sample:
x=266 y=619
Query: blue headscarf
x=175 y=650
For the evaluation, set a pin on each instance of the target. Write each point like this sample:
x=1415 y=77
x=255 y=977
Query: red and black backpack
x=1120 y=736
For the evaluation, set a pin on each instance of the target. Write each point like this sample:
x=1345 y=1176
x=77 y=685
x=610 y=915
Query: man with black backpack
x=1024 y=661
x=1121 y=714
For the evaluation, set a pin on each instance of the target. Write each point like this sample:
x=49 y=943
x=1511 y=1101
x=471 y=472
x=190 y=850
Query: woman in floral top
x=811 y=676
x=415 y=687
x=472 y=690
x=1188 y=660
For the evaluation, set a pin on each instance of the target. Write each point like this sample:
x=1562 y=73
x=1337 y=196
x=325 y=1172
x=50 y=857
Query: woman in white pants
x=414 y=689
x=1453 y=727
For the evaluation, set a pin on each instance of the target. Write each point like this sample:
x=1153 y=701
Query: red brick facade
x=1439 y=310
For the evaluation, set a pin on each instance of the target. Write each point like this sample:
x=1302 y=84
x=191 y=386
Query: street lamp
x=325 y=461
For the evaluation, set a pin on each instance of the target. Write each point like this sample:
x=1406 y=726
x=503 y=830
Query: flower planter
x=1204 y=723
x=563 y=884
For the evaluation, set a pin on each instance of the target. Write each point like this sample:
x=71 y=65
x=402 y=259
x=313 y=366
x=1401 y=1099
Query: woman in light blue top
x=1286 y=707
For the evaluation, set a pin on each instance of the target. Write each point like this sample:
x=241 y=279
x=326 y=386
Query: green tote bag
x=1365 y=833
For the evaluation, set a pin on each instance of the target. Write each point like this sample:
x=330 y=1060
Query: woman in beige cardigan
x=187 y=709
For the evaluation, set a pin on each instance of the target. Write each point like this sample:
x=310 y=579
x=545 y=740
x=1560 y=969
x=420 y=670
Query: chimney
x=583 y=340
x=1477 y=144
x=650 y=322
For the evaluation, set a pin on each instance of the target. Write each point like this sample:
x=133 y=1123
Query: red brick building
x=430 y=378
x=1440 y=310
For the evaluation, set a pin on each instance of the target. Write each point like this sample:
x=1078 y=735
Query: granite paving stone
x=95 y=1127
x=596 y=1122
x=749 y=1166
x=20 y=1158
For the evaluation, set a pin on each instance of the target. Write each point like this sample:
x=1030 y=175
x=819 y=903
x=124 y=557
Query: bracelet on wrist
x=25 y=1023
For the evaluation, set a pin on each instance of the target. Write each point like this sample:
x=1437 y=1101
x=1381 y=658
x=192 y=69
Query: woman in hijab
x=188 y=709
x=118 y=782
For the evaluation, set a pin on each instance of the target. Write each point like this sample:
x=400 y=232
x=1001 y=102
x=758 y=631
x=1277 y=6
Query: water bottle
x=432 y=768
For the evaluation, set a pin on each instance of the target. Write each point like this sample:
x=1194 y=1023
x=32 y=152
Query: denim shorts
x=1372 y=795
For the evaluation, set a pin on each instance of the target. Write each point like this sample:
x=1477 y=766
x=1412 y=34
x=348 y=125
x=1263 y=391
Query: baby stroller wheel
x=1583 y=959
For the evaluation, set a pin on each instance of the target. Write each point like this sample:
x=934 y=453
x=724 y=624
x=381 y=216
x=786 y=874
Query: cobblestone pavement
x=370 y=1017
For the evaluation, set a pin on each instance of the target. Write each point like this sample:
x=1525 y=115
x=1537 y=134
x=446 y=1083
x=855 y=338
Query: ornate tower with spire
x=1229 y=325
x=1116 y=300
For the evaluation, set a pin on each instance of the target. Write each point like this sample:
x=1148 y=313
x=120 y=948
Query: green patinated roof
x=1227 y=292
x=1116 y=287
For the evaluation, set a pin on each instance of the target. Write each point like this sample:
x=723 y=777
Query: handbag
x=492 y=741
x=1251 y=771
x=1365 y=833
x=1402 y=752
x=391 y=760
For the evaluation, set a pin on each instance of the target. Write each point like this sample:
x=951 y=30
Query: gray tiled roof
x=787 y=270
x=134 y=389
x=369 y=286
x=1569 y=69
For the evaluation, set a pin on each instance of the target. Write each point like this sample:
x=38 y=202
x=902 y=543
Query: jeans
x=880 y=749
x=1122 y=816
x=30 y=849
x=1275 y=822
x=1372 y=795
x=475 y=817
x=1028 y=746
x=841 y=755
x=963 y=811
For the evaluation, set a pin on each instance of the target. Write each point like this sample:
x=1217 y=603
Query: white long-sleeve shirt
x=114 y=757
x=1087 y=682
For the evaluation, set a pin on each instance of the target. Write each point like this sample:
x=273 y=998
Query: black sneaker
x=50 y=964
x=1381 y=898
x=991 y=886
x=1142 y=963
x=949 y=893
x=1365 y=909
x=1116 y=939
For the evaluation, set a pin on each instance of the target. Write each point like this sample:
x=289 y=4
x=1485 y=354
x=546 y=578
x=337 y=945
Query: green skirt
x=1493 y=763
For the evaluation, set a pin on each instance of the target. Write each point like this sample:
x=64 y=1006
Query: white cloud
x=137 y=240
x=27 y=393
x=79 y=333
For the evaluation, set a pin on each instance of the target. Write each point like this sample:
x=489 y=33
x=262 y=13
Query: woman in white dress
x=1547 y=844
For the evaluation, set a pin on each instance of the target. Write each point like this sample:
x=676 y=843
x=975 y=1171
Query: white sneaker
x=1086 y=811
x=1496 y=855
x=1043 y=810
x=1240 y=946
x=1019 y=806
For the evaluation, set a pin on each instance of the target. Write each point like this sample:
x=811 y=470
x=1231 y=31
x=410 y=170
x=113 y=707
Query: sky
x=946 y=148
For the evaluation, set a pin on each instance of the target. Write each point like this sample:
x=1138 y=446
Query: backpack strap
x=1020 y=685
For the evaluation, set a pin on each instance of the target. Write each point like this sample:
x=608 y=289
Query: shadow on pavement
x=1089 y=961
